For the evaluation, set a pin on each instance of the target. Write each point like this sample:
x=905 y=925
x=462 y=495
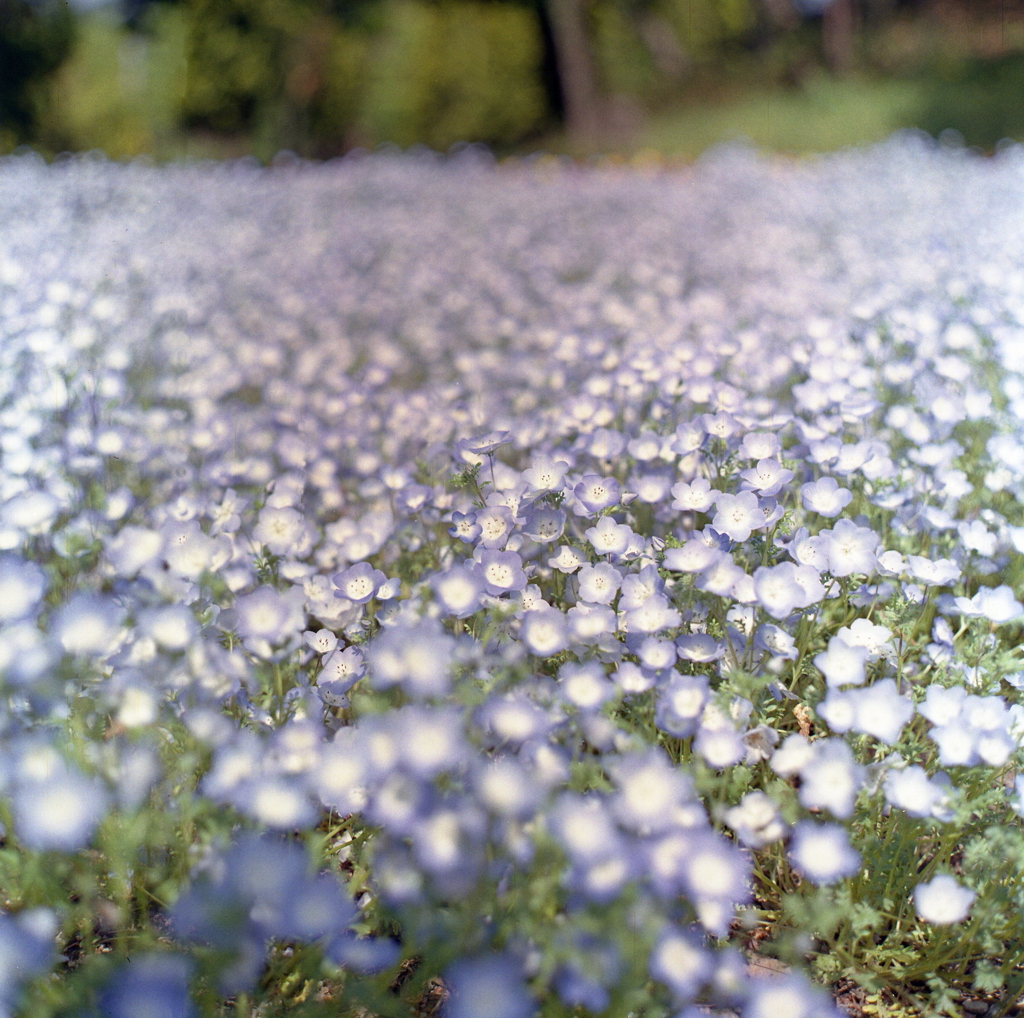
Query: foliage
x=449 y=72
x=34 y=40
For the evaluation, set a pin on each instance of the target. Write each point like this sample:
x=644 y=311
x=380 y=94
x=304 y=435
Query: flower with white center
x=567 y=560
x=501 y=571
x=756 y=820
x=545 y=474
x=825 y=497
x=943 y=901
x=88 y=624
x=595 y=493
x=359 y=583
x=459 y=590
x=997 y=604
x=830 y=779
x=737 y=516
x=696 y=496
x=767 y=478
x=598 y=584
x=22 y=585
x=680 y=962
x=911 y=790
x=609 y=537
x=841 y=664
x=496 y=523
x=851 y=549
x=822 y=852
x=544 y=632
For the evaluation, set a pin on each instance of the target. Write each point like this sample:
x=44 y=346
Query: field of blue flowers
x=436 y=587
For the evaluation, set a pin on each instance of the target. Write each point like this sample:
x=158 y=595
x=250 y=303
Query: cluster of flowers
x=527 y=521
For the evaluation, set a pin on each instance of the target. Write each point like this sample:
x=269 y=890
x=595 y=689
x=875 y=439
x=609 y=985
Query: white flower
x=943 y=901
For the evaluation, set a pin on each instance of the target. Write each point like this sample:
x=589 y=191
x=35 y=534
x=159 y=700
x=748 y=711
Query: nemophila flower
x=638 y=587
x=975 y=536
x=585 y=685
x=268 y=617
x=651 y=487
x=775 y=641
x=501 y=571
x=341 y=670
x=543 y=524
x=851 y=549
x=416 y=655
x=656 y=654
x=595 y=493
x=31 y=512
x=788 y=996
x=943 y=901
x=506 y=788
x=737 y=516
x=88 y=624
x=514 y=719
x=283 y=531
x=487 y=986
x=58 y=811
x=590 y=623
x=722 y=577
x=681 y=962
x=830 y=779
x=545 y=474
x=911 y=790
x=997 y=604
x=782 y=589
x=695 y=496
x=323 y=641
x=173 y=626
x=699 y=647
x=933 y=572
x=609 y=537
x=22 y=585
x=825 y=497
x=822 y=852
x=599 y=583
x=650 y=791
x=132 y=549
x=767 y=478
x=692 y=556
x=810 y=551
x=583 y=827
x=151 y=984
x=756 y=820
x=464 y=527
x=460 y=589
x=718 y=742
x=27 y=950
x=365 y=955
x=654 y=615
x=680 y=704
x=496 y=523
x=715 y=870
x=942 y=704
x=877 y=640
x=359 y=583
x=841 y=664
x=568 y=559
x=634 y=678
x=544 y=633
x=189 y=552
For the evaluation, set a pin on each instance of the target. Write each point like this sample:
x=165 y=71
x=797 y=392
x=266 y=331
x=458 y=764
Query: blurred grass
x=821 y=115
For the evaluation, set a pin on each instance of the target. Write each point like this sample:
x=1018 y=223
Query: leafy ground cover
x=429 y=585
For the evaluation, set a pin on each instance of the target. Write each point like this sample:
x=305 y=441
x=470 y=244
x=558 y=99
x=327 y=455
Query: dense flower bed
x=558 y=581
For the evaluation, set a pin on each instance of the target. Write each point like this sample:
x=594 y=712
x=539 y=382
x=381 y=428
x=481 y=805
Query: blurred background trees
x=320 y=77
